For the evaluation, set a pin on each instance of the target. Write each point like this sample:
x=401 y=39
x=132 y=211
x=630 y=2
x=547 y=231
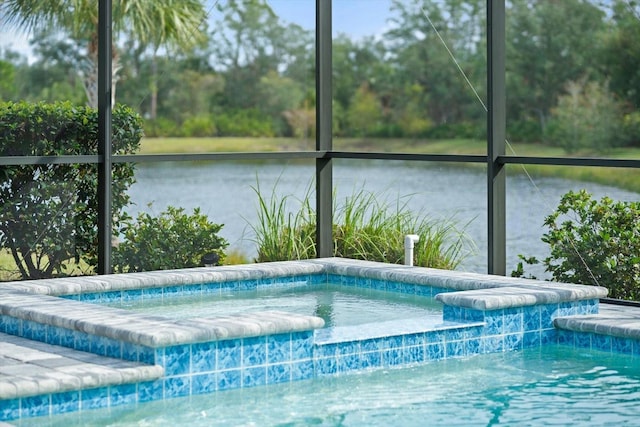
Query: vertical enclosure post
x=496 y=134
x=104 y=136
x=324 y=142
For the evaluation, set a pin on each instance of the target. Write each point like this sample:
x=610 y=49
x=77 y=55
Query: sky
x=356 y=18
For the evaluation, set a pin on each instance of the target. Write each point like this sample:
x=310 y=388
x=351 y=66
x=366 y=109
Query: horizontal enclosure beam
x=293 y=155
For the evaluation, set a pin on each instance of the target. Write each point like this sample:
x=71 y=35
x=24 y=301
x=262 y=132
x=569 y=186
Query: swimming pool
x=553 y=385
x=335 y=304
x=217 y=353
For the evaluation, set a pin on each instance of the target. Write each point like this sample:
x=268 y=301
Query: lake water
x=223 y=191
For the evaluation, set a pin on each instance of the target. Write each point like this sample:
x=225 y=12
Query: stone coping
x=615 y=320
x=31 y=368
x=36 y=301
x=526 y=295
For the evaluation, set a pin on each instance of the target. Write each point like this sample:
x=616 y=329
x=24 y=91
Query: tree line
x=573 y=74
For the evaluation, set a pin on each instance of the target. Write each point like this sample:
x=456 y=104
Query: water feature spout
x=409 y=243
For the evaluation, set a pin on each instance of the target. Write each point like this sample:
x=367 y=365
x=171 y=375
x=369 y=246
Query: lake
x=223 y=191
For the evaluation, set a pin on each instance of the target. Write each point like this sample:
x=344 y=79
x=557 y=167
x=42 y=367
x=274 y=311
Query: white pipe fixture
x=409 y=243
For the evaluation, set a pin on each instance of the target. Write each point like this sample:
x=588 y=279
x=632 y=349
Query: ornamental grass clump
x=365 y=227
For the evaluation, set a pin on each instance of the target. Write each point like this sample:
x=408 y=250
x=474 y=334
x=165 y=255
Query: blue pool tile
x=123 y=394
x=279 y=348
x=211 y=288
x=568 y=308
x=493 y=344
x=82 y=341
x=531 y=339
x=601 y=342
x=61 y=403
x=95 y=398
x=494 y=322
x=12 y=325
x=203 y=383
x=103 y=347
x=473 y=346
x=434 y=351
x=172 y=291
x=150 y=390
x=434 y=337
x=454 y=349
x=177 y=386
x=176 y=359
x=424 y=290
x=9 y=409
x=454 y=335
x=326 y=366
x=373 y=359
x=152 y=293
x=622 y=345
x=393 y=356
x=548 y=312
x=472 y=315
x=254 y=351
x=378 y=284
x=279 y=373
x=512 y=320
x=53 y=334
x=591 y=306
x=35 y=406
x=326 y=350
x=392 y=342
x=349 y=362
x=190 y=290
x=67 y=338
x=229 y=354
x=34 y=331
x=347 y=348
x=548 y=336
x=148 y=355
x=229 y=379
x=415 y=354
x=252 y=377
x=582 y=340
x=513 y=341
x=131 y=295
x=531 y=318
x=203 y=357
x=302 y=370
x=370 y=345
x=414 y=339
x=473 y=332
x=565 y=337
x=248 y=285
x=452 y=314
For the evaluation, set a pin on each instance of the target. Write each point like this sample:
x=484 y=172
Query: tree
x=155 y=22
x=550 y=43
x=587 y=117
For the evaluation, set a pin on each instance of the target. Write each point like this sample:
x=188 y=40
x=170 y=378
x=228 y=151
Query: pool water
x=337 y=305
x=552 y=385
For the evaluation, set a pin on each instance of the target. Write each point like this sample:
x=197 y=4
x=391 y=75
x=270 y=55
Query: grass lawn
x=628 y=179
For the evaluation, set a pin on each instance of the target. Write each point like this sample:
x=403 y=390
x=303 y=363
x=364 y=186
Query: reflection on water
x=223 y=190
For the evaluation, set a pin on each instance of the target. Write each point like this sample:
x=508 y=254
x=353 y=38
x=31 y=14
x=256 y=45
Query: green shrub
x=364 y=228
x=596 y=243
x=199 y=126
x=161 y=127
x=170 y=240
x=250 y=123
x=50 y=212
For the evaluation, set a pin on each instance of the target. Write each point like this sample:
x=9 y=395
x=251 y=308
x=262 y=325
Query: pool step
x=32 y=368
x=612 y=320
